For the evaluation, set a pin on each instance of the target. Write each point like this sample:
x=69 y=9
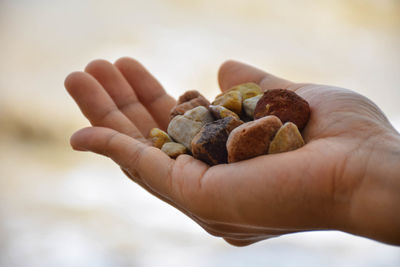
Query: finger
x=148 y=90
x=122 y=94
x=149 y=163
x=96 y=104
x=232 y=73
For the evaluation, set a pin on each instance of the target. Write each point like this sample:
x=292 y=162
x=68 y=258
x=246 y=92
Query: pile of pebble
x=239 y=124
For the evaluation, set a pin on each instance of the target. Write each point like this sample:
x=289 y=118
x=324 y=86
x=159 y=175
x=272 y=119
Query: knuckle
x=109 y=143
x=135 y=156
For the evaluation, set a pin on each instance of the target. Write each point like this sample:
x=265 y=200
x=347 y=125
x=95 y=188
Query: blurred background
x=63 y=208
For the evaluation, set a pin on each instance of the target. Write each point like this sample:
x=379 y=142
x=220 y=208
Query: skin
x=346 y=177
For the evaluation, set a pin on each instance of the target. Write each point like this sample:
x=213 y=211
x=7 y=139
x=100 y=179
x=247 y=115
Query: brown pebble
x=286 y=105
x=252 y=139
x=209 y=145
x=187 y=96
x=287 y=138
x=188 y=101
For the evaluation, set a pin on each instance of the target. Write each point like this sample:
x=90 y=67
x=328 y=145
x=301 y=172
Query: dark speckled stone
x=209 y=145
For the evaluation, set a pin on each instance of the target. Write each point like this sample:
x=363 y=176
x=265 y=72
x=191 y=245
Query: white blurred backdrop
x=63 y=208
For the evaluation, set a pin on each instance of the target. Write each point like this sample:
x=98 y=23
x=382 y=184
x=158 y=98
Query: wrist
x=374 y=207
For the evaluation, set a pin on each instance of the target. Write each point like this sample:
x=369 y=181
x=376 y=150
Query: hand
x=345 y=178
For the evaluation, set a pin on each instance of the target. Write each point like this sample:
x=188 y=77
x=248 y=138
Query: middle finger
x=122 y=94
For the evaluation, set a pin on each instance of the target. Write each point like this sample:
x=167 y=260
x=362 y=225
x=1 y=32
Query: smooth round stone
x=247 y=90
x=173 y=149
x=182 y=130
x=220 y=112
x=188 y=101
x=287 y=138
x=249 y=105
x=231 y=100
x=209 y=145
x=286 y=105
x=200 y=114
x=159 y=137
x=252 y=139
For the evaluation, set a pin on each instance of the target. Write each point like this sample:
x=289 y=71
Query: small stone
x=186 y=102
x=200 y=114
x=220 y=112
x=252 y=139
x=286 y=139
x=286 y=105
x=188 y=95
x=182 y=130
x=250 y=104
x=231 y=100
x=159 y=137
x=173 y=149
x=247 y=90
x=209 y=145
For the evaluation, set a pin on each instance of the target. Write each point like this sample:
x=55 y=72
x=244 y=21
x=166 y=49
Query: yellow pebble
x=221 y=112
x=173 y=149
x=247 y=90
x=231 y=100
x=286 y=139
x=159 y=137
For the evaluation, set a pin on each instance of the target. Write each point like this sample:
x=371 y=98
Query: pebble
x=216 y=134
x=200 y=114
x=231 y=100
x=182 y=130
x=286 y=139
x=220 y=112
x=252 y=139
x=159 y=137
x=247 y=90
x=250 y=104
x=188 y=101
x=188 y=95
x=286 y=105
x=173 y=149
x=209 y=145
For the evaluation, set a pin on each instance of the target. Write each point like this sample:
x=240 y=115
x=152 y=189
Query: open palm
x=319 y=186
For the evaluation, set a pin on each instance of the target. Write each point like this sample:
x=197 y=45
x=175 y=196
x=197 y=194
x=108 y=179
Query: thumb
x=233 y=72
x=151 y=164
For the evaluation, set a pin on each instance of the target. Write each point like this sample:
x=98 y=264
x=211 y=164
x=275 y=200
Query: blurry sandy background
x=64 y=208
